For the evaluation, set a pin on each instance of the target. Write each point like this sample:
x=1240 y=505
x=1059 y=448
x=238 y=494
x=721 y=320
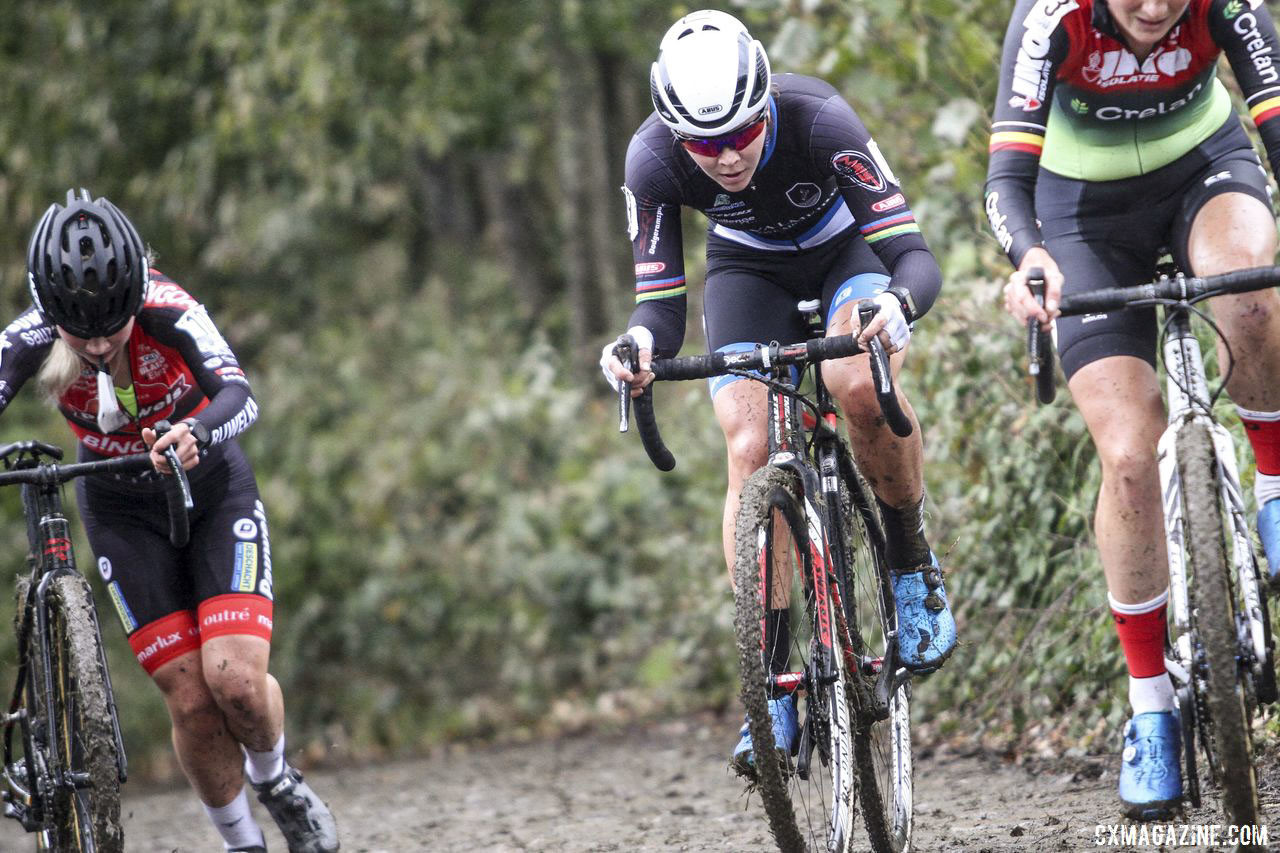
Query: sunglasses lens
x=712 y=146
x=704 y=147
x=746 y=136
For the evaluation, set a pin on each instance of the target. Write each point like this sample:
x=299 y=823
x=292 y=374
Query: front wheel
x=1215 y=625
x=86 y=813
x=796 y=651
x=882 y=743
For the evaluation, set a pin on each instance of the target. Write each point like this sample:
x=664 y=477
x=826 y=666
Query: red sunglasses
x=711 y=146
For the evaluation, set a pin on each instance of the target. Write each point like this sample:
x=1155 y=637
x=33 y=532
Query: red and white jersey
x=178 y=360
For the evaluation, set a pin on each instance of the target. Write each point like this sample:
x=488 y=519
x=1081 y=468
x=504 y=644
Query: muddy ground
x=653 y=788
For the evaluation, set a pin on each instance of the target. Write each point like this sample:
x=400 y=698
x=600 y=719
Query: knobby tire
x=1213 y=609
x=88 y=818
x=882 y=747
x=825 y=817
x=32 y=702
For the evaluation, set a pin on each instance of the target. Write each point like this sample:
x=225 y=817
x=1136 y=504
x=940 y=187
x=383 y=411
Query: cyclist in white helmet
x=801 y=205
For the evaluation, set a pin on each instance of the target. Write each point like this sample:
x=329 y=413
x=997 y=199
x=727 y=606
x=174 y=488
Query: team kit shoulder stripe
x=1265 y=110
x=890 y=226
x=663 y=289
x=1030 y=143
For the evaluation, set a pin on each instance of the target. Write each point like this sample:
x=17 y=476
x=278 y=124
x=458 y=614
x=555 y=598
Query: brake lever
x=175 y=466
x=626 y=352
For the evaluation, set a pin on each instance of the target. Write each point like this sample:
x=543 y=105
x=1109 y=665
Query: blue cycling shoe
x=1269 y=533
x=926 y=629
x=786 y=734
x=1151 y=768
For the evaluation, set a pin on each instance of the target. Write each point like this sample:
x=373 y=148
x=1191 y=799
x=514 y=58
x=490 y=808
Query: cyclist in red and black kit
x=801 y=205
x=120 y=347
x=1113 y=141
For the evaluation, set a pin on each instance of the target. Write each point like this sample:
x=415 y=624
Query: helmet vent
x=86 y=267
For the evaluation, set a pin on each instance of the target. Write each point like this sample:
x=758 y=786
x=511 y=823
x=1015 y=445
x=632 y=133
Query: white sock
x=264 y=766
x=235 y=823
x=1266 y=487
x=1154 y=693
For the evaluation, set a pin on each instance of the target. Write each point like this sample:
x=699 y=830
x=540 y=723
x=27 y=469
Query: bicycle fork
x=57 y=558
x=822 y=669
x=1189 y=403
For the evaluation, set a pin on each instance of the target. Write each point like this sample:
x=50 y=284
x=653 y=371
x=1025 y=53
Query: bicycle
x=64 y=786
x=809 y=539
x=1220 y=654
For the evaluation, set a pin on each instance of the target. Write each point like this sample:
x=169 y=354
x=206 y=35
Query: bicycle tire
x=882 y=747
x=771 y=501
x=1214 y=620
x=1264 y=678
x=88 y=817
x=35 y=752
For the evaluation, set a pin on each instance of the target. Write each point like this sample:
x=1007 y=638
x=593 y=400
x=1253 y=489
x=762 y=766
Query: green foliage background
x=404 y=216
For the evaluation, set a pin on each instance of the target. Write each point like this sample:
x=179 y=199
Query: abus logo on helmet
x=1030 y=69
x=706 y=111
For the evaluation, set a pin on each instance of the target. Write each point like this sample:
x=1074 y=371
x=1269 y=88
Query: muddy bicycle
x=809 y=542
x=64 y=758
x=1219 y=652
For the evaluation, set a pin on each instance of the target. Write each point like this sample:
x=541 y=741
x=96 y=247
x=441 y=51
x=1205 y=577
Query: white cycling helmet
x=711 y=77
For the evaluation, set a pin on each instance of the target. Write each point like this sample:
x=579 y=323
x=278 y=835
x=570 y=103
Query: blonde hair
x=62 y=366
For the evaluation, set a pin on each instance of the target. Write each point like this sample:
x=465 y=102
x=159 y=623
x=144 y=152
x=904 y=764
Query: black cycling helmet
x=86 y=266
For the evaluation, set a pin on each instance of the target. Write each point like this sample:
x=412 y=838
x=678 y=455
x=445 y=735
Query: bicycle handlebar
x=762 y=358
x=1179 y=288
x=178 y=494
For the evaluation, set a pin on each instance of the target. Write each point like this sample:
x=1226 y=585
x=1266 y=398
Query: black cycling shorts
x=169 y=600
x=751 y=295
x=1112 y=233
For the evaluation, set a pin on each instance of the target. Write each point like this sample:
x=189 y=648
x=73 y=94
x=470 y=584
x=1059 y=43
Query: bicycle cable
x=1217 y=331
x=789 y=391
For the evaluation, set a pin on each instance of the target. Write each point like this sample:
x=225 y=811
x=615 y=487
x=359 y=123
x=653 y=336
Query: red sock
x=1263 y=430
x=1142 y=636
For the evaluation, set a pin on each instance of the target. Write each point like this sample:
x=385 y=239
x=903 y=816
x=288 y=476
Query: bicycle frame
x=787 y=448
x=1189 y=403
